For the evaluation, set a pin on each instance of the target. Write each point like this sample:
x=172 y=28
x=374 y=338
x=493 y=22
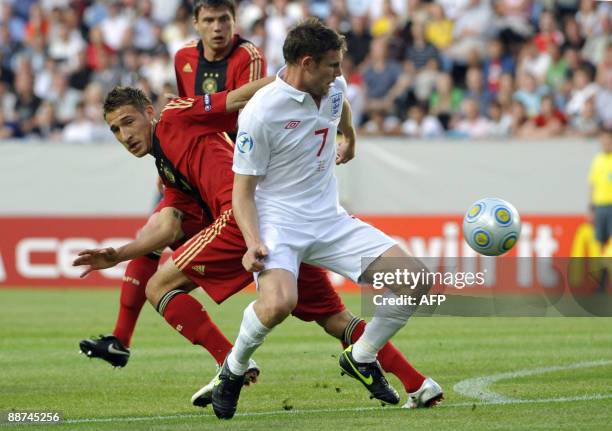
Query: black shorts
x=603 y=223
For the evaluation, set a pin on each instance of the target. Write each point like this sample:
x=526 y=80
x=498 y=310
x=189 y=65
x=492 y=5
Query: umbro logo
x=199 y=269
x=187 y=68
x=292 y=124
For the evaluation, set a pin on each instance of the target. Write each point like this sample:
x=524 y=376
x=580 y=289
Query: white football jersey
x=289 y=142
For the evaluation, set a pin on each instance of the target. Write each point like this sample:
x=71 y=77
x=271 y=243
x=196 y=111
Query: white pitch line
x=478 y=387
x=341 y=410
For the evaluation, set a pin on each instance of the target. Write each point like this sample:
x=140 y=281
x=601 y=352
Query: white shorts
x=338 y=244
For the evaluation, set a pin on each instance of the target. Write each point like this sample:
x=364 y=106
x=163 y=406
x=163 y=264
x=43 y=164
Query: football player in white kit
x=285 y=201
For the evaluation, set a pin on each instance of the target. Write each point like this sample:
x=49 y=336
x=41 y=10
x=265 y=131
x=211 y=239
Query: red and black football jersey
x=193 y=154
x=196 y=76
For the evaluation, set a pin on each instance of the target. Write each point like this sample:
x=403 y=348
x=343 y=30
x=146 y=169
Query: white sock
x=251 y=336
x=376 y=334
x=387 y=320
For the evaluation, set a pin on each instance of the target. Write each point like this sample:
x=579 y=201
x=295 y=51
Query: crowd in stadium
x=456 y=68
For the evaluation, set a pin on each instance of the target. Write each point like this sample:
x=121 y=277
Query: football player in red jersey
x=219 y=60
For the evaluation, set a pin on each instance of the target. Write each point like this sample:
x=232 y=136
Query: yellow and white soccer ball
x=491 y=226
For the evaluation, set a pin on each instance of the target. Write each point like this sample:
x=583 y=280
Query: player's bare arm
x=245 y=213
x=161 y=230
x=236 y=99
x=346 y=147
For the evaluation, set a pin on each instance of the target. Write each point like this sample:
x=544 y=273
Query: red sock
x=188 y=316
x=135 y=279
x=393 y=361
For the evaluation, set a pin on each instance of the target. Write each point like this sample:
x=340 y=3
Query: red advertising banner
x=38 y=251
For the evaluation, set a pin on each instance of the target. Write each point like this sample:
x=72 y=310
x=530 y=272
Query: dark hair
x=313 y=38
x=214 y=4
x=125 y=96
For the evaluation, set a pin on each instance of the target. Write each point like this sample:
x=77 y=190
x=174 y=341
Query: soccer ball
x=491 y=226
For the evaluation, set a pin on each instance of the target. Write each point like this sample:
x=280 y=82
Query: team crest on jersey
x=187 y=68
x=292 y=124
x=244 y=142
x=209 y=84
x=336 y=104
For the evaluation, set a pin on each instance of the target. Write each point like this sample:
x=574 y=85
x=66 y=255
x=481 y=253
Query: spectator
x=63 y=98
x=500 y=123
x=550 y=122
x=586 y=124
x=380 y=76
x=420 y=124
x=181 y=33
x=445 y=101
x=513 y=23
x=587 y=17
x=385 y=17
x=114 y=26
x=439 y=29
x=557 y=72
x=358 y=39
x=582 y=89
x=355 y=92
x=380 y=123
x=518 y=115
x=496 y=65
x=425 y=80
x=144 y=34
x=130 y=68
x=505 y=94
x=421 y=51
x=529 y=93
x=281 y=15
x=472 y=125
x=46 y=125
x=108 y=74
x=532 y=61
x=81 y=74
x=603 y=98
x=84 y=130
x=475 y=89
x=548 y=34
x=573 y=37
x=96 y=48
x=37 y=25
x=65 y=41
x=26 y=103
x=470 y=30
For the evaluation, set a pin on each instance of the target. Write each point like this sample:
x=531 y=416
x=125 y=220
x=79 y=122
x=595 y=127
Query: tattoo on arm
x=177 y=214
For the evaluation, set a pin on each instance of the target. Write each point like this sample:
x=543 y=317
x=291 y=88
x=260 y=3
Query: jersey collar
x=293 y=92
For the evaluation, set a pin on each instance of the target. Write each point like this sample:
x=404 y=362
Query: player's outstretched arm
x=236 y=99
x=245 y=213
x=346 y=148
x=161 y=230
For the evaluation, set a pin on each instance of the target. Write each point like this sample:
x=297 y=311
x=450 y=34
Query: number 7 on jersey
x=324 y=133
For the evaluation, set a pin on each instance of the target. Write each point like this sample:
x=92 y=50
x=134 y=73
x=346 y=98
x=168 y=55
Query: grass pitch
x=559 y=371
